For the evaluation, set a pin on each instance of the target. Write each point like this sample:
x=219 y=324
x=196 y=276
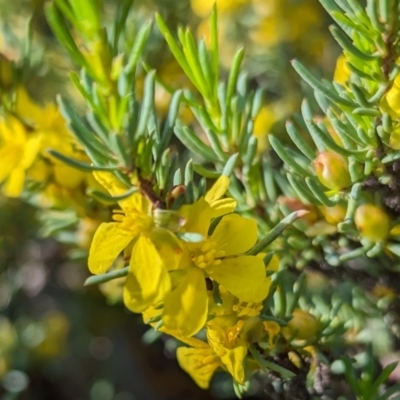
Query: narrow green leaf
x=303 y=191
x=215 y=144
x=391 y=157
x=275 y=232
x=367 y=112
x=120 y=21
x=205 y=65
x=347 y=135
x=345 y=7
x=319 y=193
x=63 y=35
x=109 y=276
x=317 y=85
x=321 y=139
x=105 y=198
x=82 y=166
x=372 y=12
x=207 y=173
x=95 y=149
x=188 y=172
x=230 y=165
x=282 y=153
x=138 y=46
x=359 y=95
x=194 y=143
x=192 y=58
x=148 y=103
x=299 y=141
x=214 y=45
x=233 y=75
x=174 y=47
x=351 y=255
x=168 y=129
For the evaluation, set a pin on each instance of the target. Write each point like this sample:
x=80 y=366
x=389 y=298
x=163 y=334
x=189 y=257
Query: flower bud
x=372 y=222
x=303 y=326
x=334 y=215
x=332 y=170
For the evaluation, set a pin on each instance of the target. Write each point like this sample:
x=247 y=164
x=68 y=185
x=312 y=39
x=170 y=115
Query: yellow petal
x=198 y=217
x=148 y=281
x=243 y=276
x=218 y=190
x=68 y=177
x=222 y=207
x=200 y=364
x=110 y=182
x=115 y=187
x=15 y=183
x=168 y=247
x=235 y=234
x=231 y=356
x=185 y=308
x=31 y=151
x=272 y=328
x=9 y=159
x=27 y=109
x=108 y=242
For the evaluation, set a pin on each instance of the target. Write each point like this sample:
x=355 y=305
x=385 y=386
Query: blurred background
x=58 y=339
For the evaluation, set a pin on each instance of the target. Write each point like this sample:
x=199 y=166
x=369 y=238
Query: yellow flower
x=342 y=71
x=202 y=8
x=199 y=361
x=18 y=150
x=223 y=350
x=50 y=124
x=148 y=280
x=219 y=257
x=391 y=101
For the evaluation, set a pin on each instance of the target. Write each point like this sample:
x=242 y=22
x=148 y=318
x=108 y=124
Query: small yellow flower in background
x=18 y=151
x=202 y=8
x=391 y=101
x=56 y=327
x=263 y=123
x=342 y=71
x=50 y=124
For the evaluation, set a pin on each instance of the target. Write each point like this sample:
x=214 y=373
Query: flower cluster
x=172 y=281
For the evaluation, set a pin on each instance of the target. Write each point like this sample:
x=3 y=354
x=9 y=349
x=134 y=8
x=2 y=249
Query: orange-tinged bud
x=372 y=222
x=332 y=170
x=297 y=205
x=302 y=326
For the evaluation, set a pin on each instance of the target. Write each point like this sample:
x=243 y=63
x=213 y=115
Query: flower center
x=133 y=222
x=247 y=309
x=233 y=332
x=207 y=255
